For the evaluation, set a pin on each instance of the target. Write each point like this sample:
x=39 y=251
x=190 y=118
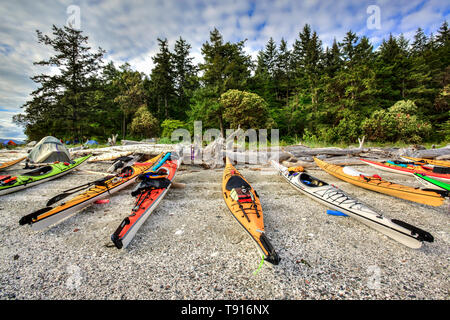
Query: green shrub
x=245 y=109
x=169 y=125
x=144 y=123
x=398 y=123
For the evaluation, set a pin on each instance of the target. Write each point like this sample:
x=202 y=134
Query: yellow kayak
x=244 y=205
x=439 y=163
x=377 y=184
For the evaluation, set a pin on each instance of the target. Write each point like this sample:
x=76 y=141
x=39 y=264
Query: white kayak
x=337 y=199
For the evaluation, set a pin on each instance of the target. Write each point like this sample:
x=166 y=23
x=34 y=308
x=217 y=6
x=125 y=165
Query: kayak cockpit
x=310 y=181
x=237 y=182
x=39 y=172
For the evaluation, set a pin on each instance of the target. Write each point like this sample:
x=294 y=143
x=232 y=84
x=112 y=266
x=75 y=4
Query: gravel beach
x=192 y=248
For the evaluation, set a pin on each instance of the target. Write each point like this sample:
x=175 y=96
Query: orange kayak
x=244 y=204
x=378 y=184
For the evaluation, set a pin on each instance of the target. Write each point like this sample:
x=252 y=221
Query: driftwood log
x=213 y=155
x=301 y=151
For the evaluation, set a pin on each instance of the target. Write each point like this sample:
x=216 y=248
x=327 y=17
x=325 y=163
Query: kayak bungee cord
x=333 y=190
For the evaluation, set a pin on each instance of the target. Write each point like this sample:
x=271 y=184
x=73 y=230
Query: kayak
x=244 y=204
x=9 y=184
x=408 y=169
x=4 y=165
x=338 y=200
x=432 y=183
x=99 y=189
x=155 y=183
x=439 y=163
x=376 y=183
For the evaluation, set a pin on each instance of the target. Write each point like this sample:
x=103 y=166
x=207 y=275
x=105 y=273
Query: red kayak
x=409 y=170
x=149 y=193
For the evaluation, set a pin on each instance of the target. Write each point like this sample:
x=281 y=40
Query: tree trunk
x=221 y=126
x=166 y=109
x=124 y=126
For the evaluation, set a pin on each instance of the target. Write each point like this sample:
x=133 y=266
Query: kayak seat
x=311 y=181
x=236 y=182
x=150 y=184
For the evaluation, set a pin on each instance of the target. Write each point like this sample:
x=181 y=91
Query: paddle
x=68 y=192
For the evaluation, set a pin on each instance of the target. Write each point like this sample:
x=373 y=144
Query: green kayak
x=9 y=184
x=432 y=183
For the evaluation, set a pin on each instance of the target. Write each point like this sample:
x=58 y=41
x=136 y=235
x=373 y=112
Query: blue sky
x=128 y=30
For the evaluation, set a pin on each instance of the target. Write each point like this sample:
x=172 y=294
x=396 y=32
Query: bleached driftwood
x=304 y=164
x=131 y=142
x=76 y=149
x=112 y=140
x=299 y=151
x=111 y=153
x=361 y=142
x=254 y=157
x=432 y=153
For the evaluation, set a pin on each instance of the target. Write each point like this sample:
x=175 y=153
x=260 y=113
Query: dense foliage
x=396 y=92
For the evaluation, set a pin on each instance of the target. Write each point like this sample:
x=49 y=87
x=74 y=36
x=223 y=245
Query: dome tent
x=49 y=149
x=91 y=142
x=9 y=143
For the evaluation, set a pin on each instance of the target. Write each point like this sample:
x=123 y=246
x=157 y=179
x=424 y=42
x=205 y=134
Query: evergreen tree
x=443 y=36
x=225 y=67
x=185 y=76
x=60 y=103
x=267 y=59
x=162 y=80
x=283 y=71
x=131 y=95
x=420 y=42
x=332 y=60
x=263 y=82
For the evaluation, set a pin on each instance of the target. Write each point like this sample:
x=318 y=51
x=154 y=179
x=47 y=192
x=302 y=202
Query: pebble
x=192 y=248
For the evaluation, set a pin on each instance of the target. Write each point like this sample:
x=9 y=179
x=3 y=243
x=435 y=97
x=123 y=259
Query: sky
x=128 y=30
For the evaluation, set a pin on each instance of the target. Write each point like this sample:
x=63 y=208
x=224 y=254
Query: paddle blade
x=57 y=198
x=336 y=213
